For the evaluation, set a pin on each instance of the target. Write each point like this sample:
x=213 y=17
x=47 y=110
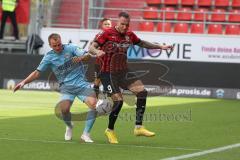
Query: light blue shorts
x=81 y=94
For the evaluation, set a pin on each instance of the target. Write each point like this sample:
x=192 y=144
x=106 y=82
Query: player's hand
x=77 y=59
x=18 y=86
x=166 y=47
x=100 y=53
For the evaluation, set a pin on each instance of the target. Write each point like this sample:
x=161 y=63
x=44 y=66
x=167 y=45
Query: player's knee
x=65 y=107
x=142 y=94
x=65 y=110
x=91 y=102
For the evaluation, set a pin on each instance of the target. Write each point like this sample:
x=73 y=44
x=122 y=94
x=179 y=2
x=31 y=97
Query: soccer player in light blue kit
x=66 y=63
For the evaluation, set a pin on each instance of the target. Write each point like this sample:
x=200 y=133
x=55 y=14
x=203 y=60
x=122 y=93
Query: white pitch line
x=99 y=144
x=197 y=154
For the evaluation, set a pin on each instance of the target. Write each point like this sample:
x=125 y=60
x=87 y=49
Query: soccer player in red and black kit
x=114 y=43
x=104 y=24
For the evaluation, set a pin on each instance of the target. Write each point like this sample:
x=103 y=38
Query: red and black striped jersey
x=115 y=45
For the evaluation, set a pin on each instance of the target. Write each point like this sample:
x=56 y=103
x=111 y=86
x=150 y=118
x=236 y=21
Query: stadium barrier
x=194 y=79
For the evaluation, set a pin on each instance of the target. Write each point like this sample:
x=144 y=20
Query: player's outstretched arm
x=93 y=49
x=149 y=45
x=78 y=59
x=33 y=76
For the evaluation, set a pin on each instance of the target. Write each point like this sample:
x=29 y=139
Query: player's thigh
x=88 y=96
x=136 y=86
x=65 y=102
x=117 y=97
x=91 y=101
x=110 y=84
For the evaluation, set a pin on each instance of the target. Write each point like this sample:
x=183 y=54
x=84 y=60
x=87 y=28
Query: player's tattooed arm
x=149 y=45
x=94 y=49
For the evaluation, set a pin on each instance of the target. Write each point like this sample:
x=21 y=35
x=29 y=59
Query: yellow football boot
x=112 y=138
x=141 y=131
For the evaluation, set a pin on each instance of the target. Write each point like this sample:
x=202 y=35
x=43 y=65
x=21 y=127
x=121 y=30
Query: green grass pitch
x=30 y=130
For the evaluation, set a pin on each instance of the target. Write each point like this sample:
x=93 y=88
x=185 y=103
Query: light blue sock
x=91 y=117
x=67 y=119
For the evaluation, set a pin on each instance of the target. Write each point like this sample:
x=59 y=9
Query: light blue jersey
x=71 y=76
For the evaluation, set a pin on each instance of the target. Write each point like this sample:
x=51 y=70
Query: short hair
x=103 y=20
x=54 y=36
x=124 y=14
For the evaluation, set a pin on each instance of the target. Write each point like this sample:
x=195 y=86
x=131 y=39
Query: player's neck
x=117 y=29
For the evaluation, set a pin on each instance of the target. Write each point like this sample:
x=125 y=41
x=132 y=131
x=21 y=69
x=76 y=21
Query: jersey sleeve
x=101 y=38
x=135 y=38
x=44 y=64
x=77 y=51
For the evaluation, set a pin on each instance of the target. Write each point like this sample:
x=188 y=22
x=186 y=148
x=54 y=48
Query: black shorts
x=113 y=82
x=96 y=71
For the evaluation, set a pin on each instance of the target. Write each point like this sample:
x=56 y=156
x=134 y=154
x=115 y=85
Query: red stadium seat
x=197 y=28
x=134 y=25
x=218 y=15
x=164 y=27
x=153 y=2
x=201 y=14
x=170 y=2
x=187 y=2
x=167 y=13
x=181 y=28
x=146 y=26
x=221 y=3
x=232 y=30
x=234 y=16
x=235 y=3
x=206 y=3
x=184 y=14
x=215 y=29
x=150 y=13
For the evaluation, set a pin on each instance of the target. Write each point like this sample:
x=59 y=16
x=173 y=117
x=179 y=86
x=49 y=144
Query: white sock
x=110 y=129
x=86 y=134
x=138 y=126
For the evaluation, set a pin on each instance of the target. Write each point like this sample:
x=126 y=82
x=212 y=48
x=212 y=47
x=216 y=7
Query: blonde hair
x=54 y=36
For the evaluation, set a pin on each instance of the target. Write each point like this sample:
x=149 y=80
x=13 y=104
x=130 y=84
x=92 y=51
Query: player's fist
x=18 y=86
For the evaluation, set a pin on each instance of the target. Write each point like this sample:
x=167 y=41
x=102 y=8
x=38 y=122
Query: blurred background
x=205 y=34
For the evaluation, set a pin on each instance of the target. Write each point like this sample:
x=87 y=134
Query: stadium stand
x=201 y=14
x=232 y=30
x=205 y=3
x=221 y=3
x=187 y=2
x=179 y=16
x=215 y=29
x=153 y=2
x=170 y=2
x=197 y=28
x=164 y=27
x=150 y=13
x=234 y=16
x=167 y=13
x=235 y=3
x=147 y=26
x=181 y=28
x=218 y=15
x=184 y=14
